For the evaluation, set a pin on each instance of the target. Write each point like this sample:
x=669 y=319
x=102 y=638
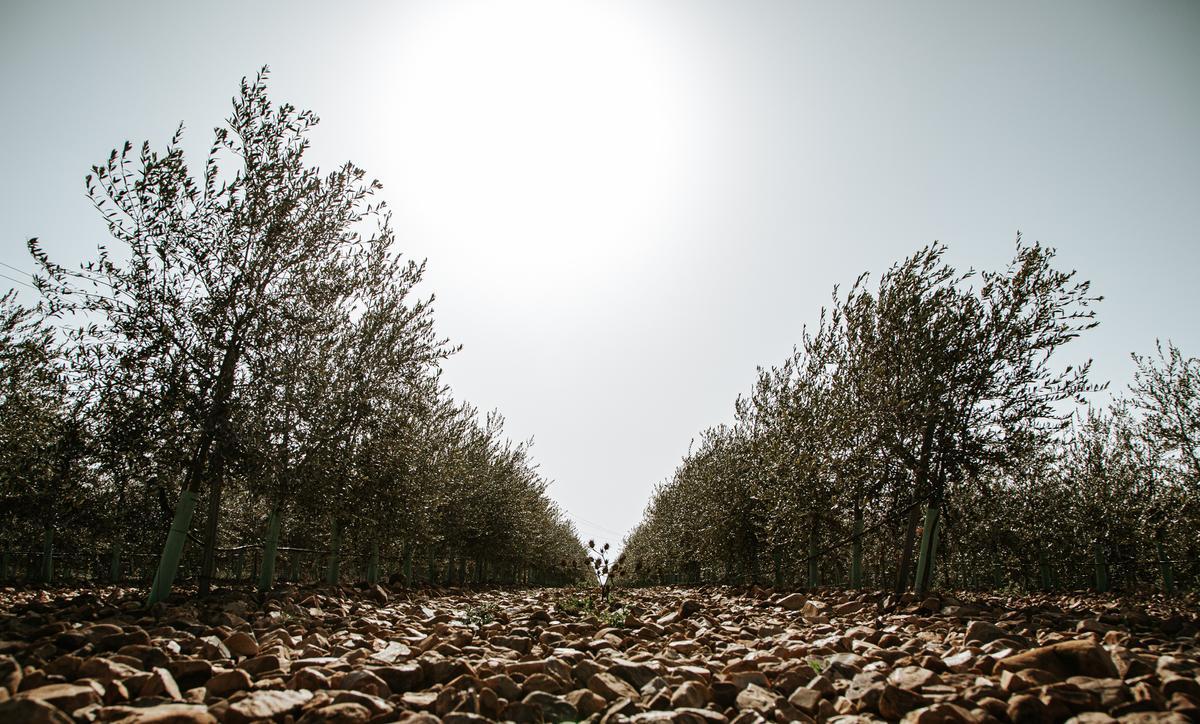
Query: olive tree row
x=250 y=358
x=932 y=412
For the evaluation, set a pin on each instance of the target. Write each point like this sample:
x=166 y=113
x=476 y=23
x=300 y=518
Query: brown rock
x=806 y=700
x=939 y=714
x=190 y=673
x=1027 y=709
x=638 y=675
x=161 y=683
x=895 y=702
x=229 y=682
x=864 y=691
x=346 y=713
x=262 y=664
x=519 y=711
x=241 y=644
x=554 y=708
x=913 y=677
x=982 y=632
x=402 y=678
x=689 y=715
x=612 y=688
x=105 y=670
x=366 y=682
x=10 y=674
x=1064 y=659
x=793 y=601
x=814 y=610
x=266 y=705
x=167 y=714
x=31 y=711
x=504 y=686
x=67 y=697
x=691 y=694
x=756 y=698
x=586 y=701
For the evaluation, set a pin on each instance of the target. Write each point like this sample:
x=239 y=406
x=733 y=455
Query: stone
x=612 y=688
x=229 y=682
x=345 y=713
x=519 y=711
x=690 y=715
x=895 y=702
x=31 y=711
x=266 y=705
x=166 y=714
x=554 y=708
x=105 y=670
x=520 y=644
x=688 y=607
x=259 y=665
x=758 y=699
x=67 y=697
x=793 y=601
x=913 y=677
x=864 y=691
x=814 y=610
x=586 y=701
x=637 y=674
x=982 y=632
x=402 y=677
x=11 y=674
x=1064 y=659
x=190 y=673
x=161 y=683
x=306 y=678
x=1027 y=709
x=691 y=694
x=503 y=685
x=241 y=643
x=943 y=713
x=392 y=652
x=367 y=682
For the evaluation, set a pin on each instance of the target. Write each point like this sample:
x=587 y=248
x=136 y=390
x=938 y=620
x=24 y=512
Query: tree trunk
x=114 y=565
x=928 y=547
x=208 y=561
x=906 y=544
x=266 y=577
x=856 y=550
x=814 y=565
x=168 y=564
x=200 y=471
x=1101 y=571
x=373 y=564
x=47 y=572
x=333 y=569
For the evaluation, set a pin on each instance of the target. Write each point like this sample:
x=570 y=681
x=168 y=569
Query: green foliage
x=944 y=387
x=482 y=615
x=255 y=335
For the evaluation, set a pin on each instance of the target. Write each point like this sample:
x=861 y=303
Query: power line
x=14 y=268
x=18 y=281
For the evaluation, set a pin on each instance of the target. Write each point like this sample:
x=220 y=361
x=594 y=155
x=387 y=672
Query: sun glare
x=543 y=138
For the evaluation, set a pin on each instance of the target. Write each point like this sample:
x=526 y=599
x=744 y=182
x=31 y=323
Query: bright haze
x=628 y=205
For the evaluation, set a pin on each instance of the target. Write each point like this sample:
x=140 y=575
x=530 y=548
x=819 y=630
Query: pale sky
x=627 y=205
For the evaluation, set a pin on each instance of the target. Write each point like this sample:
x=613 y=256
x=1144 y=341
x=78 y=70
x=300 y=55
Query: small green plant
x=576 y=604
x=815 y=665
x=481 y=615
x=612 y=618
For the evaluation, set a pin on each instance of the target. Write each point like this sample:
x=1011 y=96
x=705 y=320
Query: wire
x=18 y=281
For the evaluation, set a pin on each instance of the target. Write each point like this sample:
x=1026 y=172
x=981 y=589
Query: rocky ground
x=662 y=654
